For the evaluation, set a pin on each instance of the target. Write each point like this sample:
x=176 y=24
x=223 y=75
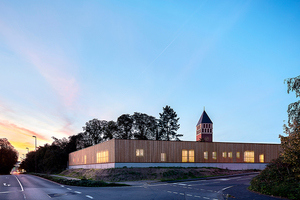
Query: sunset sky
x=64 y=63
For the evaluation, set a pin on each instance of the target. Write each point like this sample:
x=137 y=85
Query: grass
x=82 y=182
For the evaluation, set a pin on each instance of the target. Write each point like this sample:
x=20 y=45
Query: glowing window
x=184 y=155
x=102 y=157
x=139 y=152
x=224 y=154
x=229 y=154
x=249 y=156
x=85 y=159
x=191 y=155
x=238 y=155
x=214 y=155
x=261 y=158
x=205 y=155
x=163 y=157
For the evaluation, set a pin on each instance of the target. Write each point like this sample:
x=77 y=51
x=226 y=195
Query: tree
x=144 y=126
x=111 y=130
x=291 y=144
x=168 y=124
x=125 y=123
x=93 y=131
x=8 y=156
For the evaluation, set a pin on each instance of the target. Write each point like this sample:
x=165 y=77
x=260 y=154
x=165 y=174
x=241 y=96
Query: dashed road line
x=169 y=191
x=77 y=192
x=181 y=193
x=69 y=189
x=175 y=192
x=197 y=196
x=189 y=195
x=206 y=198
x=88 y=196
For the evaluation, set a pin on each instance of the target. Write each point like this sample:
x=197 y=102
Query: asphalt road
x=27 y=187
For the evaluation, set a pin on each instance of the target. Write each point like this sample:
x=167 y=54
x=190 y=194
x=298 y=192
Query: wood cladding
x=124 y=151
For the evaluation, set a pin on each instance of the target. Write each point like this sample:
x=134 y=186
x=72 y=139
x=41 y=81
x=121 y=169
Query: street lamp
x=35 y=142
x=27 y=149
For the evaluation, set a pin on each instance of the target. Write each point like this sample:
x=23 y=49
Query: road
x=28 y=187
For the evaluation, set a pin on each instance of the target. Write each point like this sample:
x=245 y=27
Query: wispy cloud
x=49 y=62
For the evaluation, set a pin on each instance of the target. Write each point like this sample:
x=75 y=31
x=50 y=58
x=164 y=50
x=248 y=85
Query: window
x=191 y=155
x=102 y=157
x=84 y=159
x=214 y=155
x=205 y=155
x=229 y=154
x=238 y=155
x=184 y=155
x=163 y=157
x=224 y=154
x=249 y=156
x=139 y=152
x=261 y=158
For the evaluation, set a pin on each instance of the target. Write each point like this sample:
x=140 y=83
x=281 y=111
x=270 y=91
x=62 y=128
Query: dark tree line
x=53 y=158
x=8 y=156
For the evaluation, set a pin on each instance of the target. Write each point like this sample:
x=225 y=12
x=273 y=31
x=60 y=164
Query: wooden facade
x=151 y=151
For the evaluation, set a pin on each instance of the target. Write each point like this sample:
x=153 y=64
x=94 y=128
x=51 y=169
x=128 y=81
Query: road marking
x=62 y=186
x=69 y=189
x=210 y=190
x=181 y=184
x=189 y=195
x=181 y=193
x=197 y=196
x=19 y=183
x=224 y=179
x=169 y=191
x=77 y=192
x=206 y=198
x=175 y=192
x=88 y=196
x=227 y=188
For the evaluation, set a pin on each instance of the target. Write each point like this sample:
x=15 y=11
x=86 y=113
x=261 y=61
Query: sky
x=63 y=63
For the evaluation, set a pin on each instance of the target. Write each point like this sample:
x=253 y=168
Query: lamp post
x=35 y=142
x=35 y=154
x=27 y=149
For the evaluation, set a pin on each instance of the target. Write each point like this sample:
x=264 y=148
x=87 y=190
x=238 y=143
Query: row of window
x=204 y=126
x=189 y=155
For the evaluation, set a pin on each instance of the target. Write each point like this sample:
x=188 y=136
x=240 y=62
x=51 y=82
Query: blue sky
x=64 y=63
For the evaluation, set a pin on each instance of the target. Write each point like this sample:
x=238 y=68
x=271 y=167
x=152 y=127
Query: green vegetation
x=8 y=156
x=82 y=182
x=282 y=176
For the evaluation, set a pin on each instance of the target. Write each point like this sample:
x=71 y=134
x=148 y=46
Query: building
x=117 y=153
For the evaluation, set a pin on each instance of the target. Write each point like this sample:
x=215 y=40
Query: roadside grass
x=83 y=182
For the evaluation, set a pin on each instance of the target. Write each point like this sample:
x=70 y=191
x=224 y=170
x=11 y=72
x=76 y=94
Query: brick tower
x=204 y=128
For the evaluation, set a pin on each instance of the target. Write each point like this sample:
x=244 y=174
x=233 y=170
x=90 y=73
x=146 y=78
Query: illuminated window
x=261 y=158
x=139 y=152
x=191 y=156
x=163 y=157
x=102 y=157
x=249 y=156
x=205 y=155
x=85 y=159
x=224 y=154
x=214 y=155
x=229 y=154
x=238 y=155
x=184 y=155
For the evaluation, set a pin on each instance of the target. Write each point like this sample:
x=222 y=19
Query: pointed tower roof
x=204 y=119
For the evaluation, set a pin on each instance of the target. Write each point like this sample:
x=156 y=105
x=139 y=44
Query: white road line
x=169 y=191
x=19 y=183
x=227 y=188
x=206 y=198
x=88 y=196
x=62 y=186
x=175 y=192
x=210 y=190
x=189 y=195
x=181 y=184
x=77 y=192
x=181 y=193
x=69 y=189
x=197 y=196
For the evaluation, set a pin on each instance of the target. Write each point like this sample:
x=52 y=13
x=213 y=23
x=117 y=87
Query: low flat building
x=203 y=152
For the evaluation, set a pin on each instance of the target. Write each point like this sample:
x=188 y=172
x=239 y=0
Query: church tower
x=204 y=128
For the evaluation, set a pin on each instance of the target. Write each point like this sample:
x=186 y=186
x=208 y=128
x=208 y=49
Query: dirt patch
x=155 y=173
